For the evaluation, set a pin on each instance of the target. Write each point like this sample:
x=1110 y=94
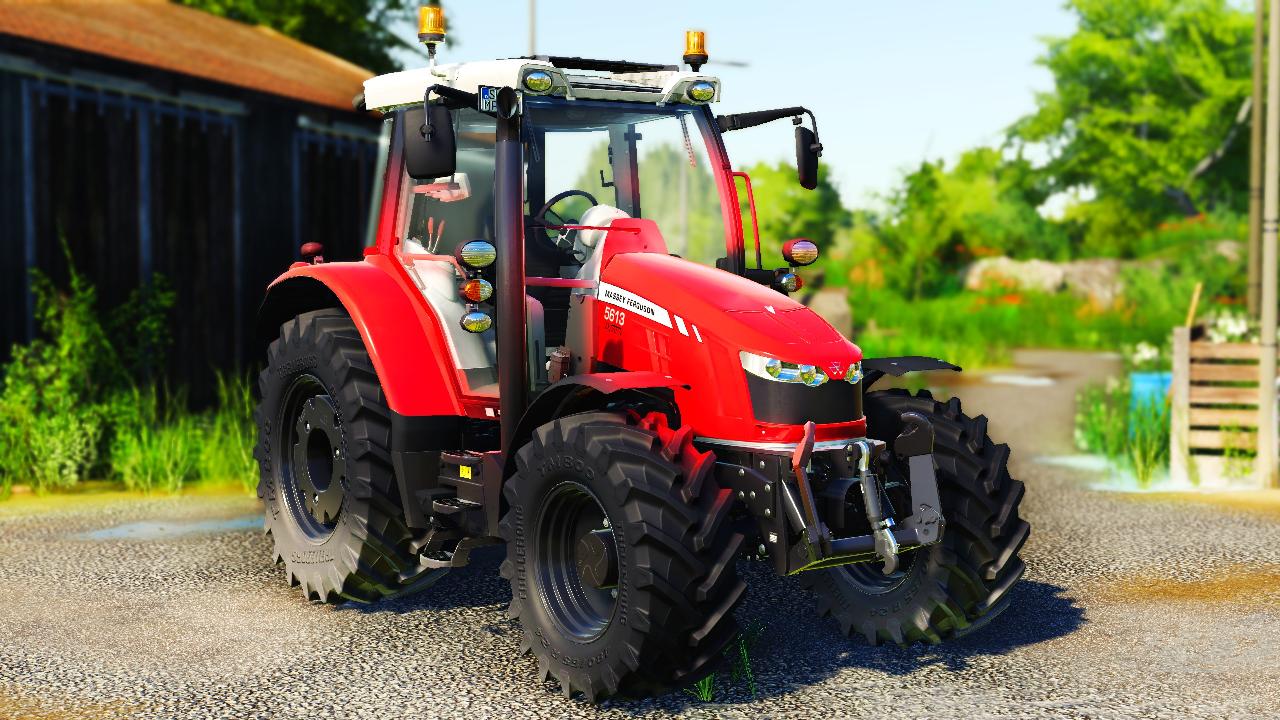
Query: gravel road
x=1132 y=607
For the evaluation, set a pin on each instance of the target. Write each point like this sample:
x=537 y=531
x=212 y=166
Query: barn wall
x=215 y=193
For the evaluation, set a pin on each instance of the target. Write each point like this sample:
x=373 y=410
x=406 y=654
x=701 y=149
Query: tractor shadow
x=797 y=649
x=478 y=584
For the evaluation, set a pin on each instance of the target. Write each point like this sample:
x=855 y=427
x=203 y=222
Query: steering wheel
x=563 y=241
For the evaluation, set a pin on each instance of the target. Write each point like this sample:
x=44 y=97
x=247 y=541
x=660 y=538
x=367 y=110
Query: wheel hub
x=576 y=559
x=319 y=462
x=597 y=559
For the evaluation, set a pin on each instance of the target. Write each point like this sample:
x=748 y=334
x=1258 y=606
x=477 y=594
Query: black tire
x=676 y=580
x=352 y=544
x=955 y=587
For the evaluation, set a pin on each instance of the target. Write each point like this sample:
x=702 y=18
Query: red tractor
x=522 y=357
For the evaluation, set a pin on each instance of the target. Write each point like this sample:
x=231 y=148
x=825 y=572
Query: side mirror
x=807 y=151
x=428 y=158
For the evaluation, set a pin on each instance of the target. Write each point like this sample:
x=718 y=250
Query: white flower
x=1144 y=353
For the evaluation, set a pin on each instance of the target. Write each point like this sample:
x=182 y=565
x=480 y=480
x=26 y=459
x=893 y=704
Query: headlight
x=701 y=91
x=778 y=371
x=854 y=375
x=538 y=81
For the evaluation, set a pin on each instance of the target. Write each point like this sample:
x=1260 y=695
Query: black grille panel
x=794 y=404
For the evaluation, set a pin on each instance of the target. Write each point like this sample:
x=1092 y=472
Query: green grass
x=738 y=659
x=227 y=450
x=1135 y=436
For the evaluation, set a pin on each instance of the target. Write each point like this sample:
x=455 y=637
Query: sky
x=892 y=82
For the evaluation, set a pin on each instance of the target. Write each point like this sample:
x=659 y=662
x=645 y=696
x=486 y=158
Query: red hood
x=737 y=312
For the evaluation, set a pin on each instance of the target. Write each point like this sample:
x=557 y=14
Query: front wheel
x=619 y=555
x=950 y=589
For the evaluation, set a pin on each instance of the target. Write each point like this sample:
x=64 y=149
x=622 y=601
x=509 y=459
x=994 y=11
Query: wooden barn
x=154 y=138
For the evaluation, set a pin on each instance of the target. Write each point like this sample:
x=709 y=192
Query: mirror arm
x=452 y=98
x=817 y=144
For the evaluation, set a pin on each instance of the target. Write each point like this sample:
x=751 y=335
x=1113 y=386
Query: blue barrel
x=1148 y=388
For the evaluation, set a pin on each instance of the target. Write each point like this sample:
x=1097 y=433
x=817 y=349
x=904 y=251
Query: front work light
x=701 y=91
x=779 y=371
x=477 y=254
x=538 y=81
x=476 y=322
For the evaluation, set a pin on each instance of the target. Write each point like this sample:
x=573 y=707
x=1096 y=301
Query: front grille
x=834 y=401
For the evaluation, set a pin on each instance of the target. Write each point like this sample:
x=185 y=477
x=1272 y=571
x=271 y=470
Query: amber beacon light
x=431 y=24
x=695 y=49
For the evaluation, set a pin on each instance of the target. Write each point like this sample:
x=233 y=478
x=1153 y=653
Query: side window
x=679 y=191
x=444 y=213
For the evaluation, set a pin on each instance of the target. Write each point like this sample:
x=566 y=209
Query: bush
x=75 y=404
x=226 y=452
x=52 y=391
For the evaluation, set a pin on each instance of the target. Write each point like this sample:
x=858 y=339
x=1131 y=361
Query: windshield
x=645 y=161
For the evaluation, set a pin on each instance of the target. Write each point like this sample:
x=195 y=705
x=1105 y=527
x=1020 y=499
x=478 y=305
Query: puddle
x=1019 y=380
x=1110 y=477
x=161 y=530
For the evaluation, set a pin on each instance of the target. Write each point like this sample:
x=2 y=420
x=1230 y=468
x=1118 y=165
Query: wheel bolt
x=605 y=523
x=614 y=593
x=752 y=494
x=307 y=427
x=741 y=495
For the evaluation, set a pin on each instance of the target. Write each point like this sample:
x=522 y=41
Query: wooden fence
x=1214 y=412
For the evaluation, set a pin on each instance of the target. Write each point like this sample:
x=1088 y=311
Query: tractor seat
x=586 y=245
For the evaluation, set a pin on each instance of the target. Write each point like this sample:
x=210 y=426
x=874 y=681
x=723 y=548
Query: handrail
x=755 y=225
x=531 y=281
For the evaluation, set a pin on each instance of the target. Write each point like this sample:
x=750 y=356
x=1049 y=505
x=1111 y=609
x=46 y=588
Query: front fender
x=583 y=393
x=404 y=339
x=877 y=368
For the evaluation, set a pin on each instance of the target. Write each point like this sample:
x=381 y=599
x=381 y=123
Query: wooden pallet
x=1214 y=412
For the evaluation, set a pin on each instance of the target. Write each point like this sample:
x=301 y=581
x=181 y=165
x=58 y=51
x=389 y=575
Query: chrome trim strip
x=776 y=447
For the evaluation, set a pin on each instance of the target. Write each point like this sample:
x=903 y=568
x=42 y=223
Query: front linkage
x=793 y=532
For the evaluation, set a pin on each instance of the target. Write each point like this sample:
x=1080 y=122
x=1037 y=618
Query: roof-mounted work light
x=695 y=49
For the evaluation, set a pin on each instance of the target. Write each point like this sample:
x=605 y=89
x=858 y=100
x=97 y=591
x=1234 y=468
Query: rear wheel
x=326 y=484
x=952 y=588
x=619 y=555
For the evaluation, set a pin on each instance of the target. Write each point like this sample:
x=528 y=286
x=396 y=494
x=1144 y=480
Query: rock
x=833 y=305
x=1003 y=272
x=1097 y=279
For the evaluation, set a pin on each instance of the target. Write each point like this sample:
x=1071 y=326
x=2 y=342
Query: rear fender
x=404 y=339
x=876 y=368
x=587 y=392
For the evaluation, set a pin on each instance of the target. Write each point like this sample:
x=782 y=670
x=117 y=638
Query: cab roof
x=578 y=78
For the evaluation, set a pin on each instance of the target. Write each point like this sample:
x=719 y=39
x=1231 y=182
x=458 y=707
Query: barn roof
x=183 y=40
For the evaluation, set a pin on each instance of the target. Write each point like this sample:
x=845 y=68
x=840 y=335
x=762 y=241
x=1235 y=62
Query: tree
x=1148 y=98
x=786 y=210
x=940 y=220
x=359 y=31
